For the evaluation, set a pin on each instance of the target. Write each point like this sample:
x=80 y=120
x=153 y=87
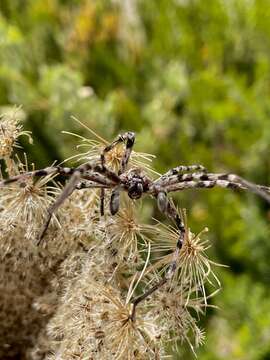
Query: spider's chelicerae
x=136 y=183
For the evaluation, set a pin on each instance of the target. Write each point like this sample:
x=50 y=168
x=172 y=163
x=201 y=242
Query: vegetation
x=192 y=79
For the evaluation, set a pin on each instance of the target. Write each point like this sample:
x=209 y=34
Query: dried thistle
x=99 y=323
x=113 y=158
x=172 y=306
x=193 y=268
x=25 y=203
x=10 y=131
x=124 y=232
x=101 y=302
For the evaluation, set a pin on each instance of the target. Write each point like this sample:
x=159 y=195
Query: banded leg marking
x=180 y=169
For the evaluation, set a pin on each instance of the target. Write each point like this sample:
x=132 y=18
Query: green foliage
x=191 y=77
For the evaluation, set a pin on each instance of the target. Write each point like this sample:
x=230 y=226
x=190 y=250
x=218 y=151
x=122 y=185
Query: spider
x=136 y=183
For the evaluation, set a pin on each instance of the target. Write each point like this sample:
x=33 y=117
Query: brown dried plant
x=99 y=287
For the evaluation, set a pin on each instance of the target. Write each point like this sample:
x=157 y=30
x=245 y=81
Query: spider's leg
x=102 y=201
x=42 y=172
x=129 y=139
x=167 y=207
x=180 y=169
x=87 y=184
x=77 y=174
x=68 y=189
x=115 y=197
x=106 y=177
x=208 y=181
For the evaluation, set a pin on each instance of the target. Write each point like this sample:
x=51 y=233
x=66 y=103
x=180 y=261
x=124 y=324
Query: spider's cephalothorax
x=136 y=183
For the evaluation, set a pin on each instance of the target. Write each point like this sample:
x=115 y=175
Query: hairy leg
x=181 y=169
x=199 y=180
x=42 y=172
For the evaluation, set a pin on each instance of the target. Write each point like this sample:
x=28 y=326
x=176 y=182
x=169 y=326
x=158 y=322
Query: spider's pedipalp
x=162 y=201
x=115 y=201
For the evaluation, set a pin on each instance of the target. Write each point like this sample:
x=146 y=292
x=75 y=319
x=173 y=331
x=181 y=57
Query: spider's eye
x=135 y=191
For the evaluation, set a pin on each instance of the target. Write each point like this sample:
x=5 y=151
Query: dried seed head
x=25 y=202
x=192 y=266
x=113 y=157
x=10 y=131
x=124 y=231
x=176 y=321
x=94 y=321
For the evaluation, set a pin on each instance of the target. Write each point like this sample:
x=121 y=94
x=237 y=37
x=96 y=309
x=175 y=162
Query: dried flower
x=25 y=202
x=113 y=157
x=10 y=131
x=95 y=321
x=193 y=268
x=124 y=231
x=172 y=306
x=86 y=276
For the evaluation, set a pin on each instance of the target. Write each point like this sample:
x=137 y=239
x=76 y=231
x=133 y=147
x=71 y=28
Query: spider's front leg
x=181 y=169
x=129 y=139
x=210 y=180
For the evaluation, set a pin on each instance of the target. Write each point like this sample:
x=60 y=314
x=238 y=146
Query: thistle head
x=10 y=131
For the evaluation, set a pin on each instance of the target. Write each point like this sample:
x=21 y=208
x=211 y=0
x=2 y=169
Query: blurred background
x=192 y=78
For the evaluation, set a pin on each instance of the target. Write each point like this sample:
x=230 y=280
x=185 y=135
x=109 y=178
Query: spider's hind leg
x=167 y=207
